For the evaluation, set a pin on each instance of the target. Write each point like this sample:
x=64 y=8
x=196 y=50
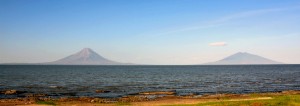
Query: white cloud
x=228 y=18
x=246 y=14
x=218 y=44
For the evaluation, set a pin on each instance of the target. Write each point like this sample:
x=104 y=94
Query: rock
x=10 y=92
x=135 y=98
x=101 y=91
x=57 y=87
x=36 y=95
x=97 y=100
x=158 y=93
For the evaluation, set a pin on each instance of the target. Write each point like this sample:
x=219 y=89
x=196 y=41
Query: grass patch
x=46 y=103
x=255 y=95
x=123 y=103
x=283 y=100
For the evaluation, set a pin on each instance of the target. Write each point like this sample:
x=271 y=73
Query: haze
x=149 y=31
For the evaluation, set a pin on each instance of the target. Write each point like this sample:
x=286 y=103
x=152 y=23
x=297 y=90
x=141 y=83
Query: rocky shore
x=156 y=97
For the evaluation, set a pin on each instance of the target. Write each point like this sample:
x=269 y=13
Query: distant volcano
x=244 y=58
x=85 y=57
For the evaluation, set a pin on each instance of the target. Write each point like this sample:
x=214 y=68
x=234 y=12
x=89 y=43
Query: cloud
x=251 y=13
x=218 y=44
x=223 y=20
x=185 y=29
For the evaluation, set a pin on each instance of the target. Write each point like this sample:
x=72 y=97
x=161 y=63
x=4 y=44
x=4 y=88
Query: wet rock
x=10 y=92
x=158 y=93
x=36 y=95
x=57 y=87
x=101 y=91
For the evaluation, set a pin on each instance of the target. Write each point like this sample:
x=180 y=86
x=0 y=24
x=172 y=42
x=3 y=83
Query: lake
x=118 y=81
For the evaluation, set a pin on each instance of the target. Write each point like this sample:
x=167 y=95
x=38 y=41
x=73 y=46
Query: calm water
x=57 y=81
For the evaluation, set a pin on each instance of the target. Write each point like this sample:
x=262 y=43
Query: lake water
x=74 y=81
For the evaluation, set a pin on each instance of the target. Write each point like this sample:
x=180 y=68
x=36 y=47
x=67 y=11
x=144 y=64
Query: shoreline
x=145 y=98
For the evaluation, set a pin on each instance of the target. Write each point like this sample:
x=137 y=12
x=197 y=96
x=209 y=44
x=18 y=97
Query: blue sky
x=149 y=31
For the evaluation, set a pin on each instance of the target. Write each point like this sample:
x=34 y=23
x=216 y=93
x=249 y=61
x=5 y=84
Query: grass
x=46 y=103
x=123 y=104
x=283 y=100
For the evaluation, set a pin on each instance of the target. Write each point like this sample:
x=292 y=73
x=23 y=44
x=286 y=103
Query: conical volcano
x=85 y=57
x=244 y=58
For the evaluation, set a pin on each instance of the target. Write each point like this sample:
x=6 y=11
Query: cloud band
x=218 y=44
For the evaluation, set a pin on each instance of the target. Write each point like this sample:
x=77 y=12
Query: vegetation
x=283 y=100
x=123 y=104
x=46 y=103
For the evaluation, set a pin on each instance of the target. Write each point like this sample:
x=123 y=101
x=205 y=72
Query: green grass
x=286 y=100
x=46 y=103
x=123 y=104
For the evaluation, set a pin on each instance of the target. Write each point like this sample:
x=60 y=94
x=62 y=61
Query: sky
x=149 y=31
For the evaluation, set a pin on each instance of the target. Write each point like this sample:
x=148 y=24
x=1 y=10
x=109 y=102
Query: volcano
x=244 y=58
x=85 y=57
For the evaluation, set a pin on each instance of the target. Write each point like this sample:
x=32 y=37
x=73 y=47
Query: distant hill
x=243 y=58
x=85 y=57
